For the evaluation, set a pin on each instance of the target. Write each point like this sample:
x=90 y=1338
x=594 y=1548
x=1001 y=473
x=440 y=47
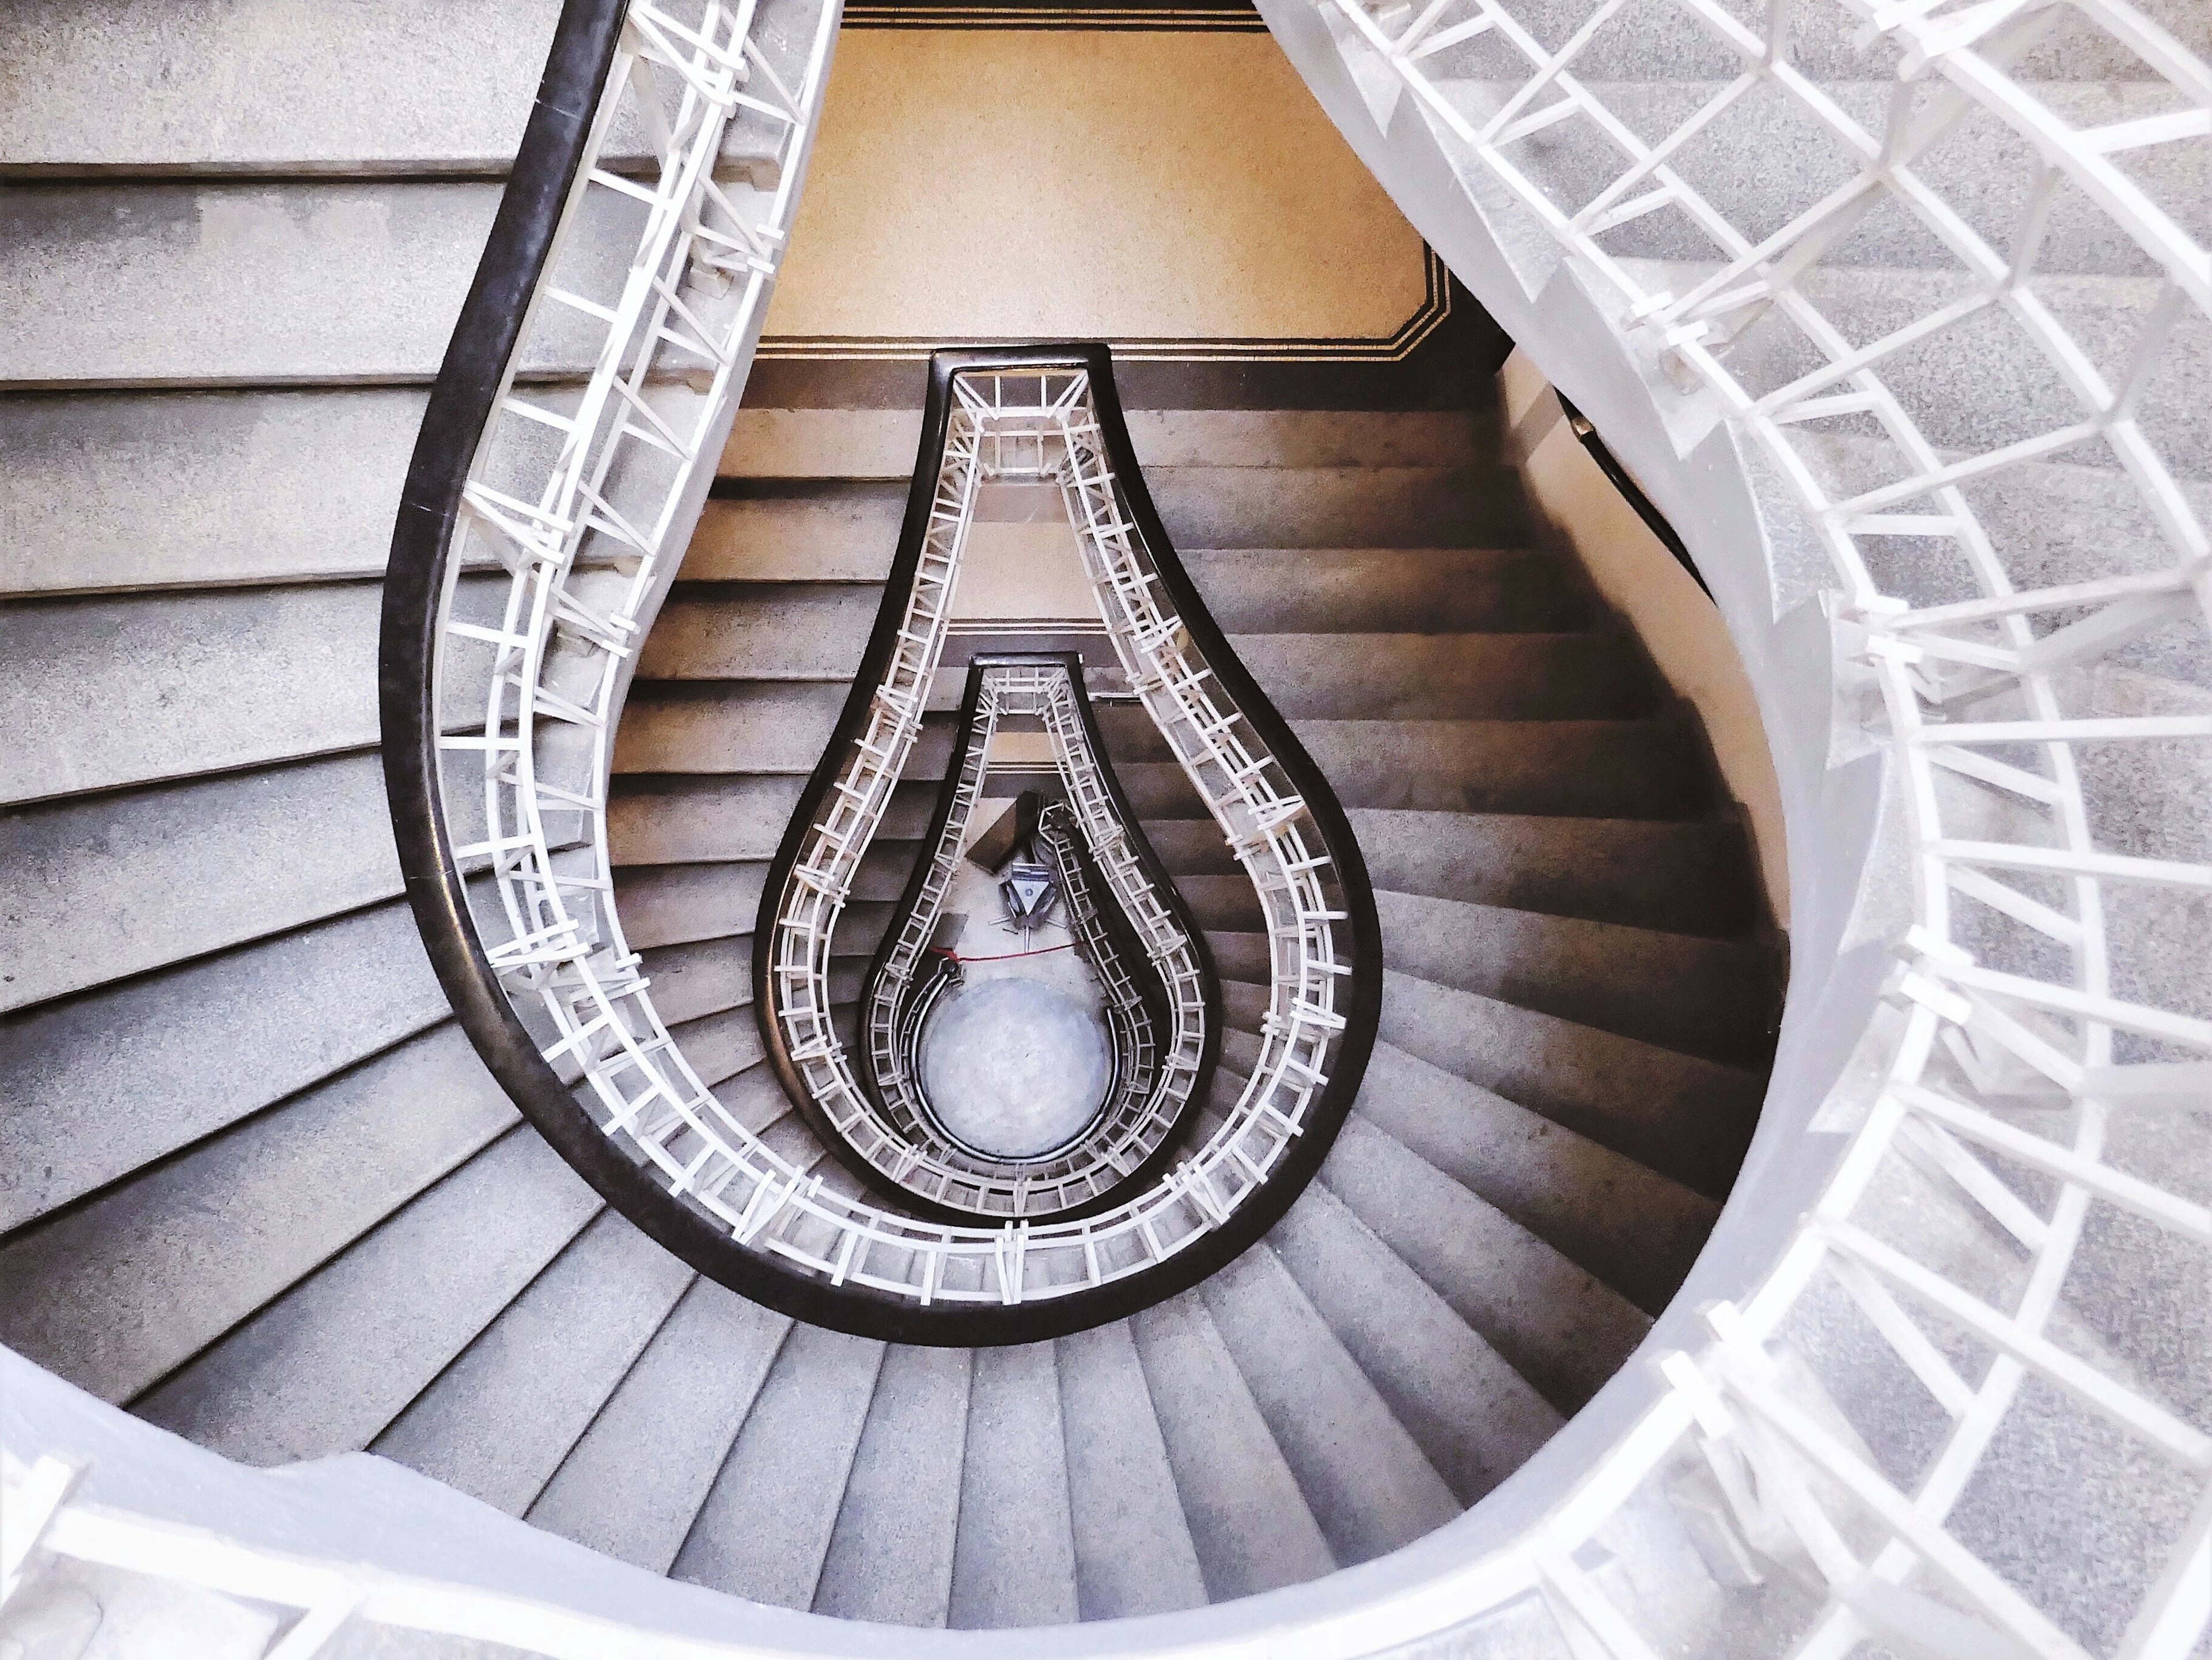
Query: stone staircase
x=255 y=1185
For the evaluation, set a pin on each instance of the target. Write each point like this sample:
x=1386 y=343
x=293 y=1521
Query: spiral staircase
x=542 y=1296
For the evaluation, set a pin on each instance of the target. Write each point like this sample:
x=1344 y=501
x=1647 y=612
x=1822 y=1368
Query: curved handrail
x=875 y=991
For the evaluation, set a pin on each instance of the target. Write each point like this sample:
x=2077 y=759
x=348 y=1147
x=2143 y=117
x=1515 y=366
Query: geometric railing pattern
x=1158 y=1040
x=1960 y=304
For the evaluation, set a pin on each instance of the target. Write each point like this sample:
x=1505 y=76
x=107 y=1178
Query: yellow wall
x=974 y=184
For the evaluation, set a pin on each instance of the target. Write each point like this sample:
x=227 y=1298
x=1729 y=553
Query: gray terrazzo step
x=259 y=285
x=1634 y=1229
x=132 y=84
x=760 y=631
x=172 y=489
x=1249 y=1525
x=1583 y=768
x=672 y=905
x=1416 y=590
x=679 y=818
x=781 y=445
x=288 y=1383
x=1365 y=1480
x=766 y=1524
x=1711 y=997
x=1555 y=1324
x=785 y=530
x=1475 y=1420
x=1426 y=677
x=633 y=1484
x=124 y=1075
x=110 y=692
x=747 y=726
x=1014 y=1561
x=1686 y=1118
x=117 y=1293
x=1213 y=507
x=1691 y=877
x=890 y=1555
x=110 y=886
x=498 y=1421
x=1133 y=1546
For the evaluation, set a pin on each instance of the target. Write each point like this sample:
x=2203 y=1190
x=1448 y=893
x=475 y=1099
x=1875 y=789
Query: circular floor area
x=1013 y=1067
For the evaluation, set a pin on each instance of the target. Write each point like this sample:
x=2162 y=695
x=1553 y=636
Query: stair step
x=119 y=490
x=1715 y=998
x=891 y=1554
x=1412 y=590
x=748 y=727
x=766 y=1524
x=1584 y=768
x=1553 y=1322
x=337 y=1357
x=348 y=280
x=779 y=444
x=116 y=1293
x=632 y=1485
x=114 y=885
x=680 y=819
x=1365 y=1480
x=1634 y=1229
x=1685 y=877
x=1014 y=1564
x=799 y=530
x=1686 y=1118
x=139 y=86
x=1134 y=1553
x=499 y=1420
x=127 y=1074
x=1357 y=506
x=1633 y=770
x=1431 y=677
x=1248 y=1522
x=1475 y=1420
x=666 y=905
x=760 y=631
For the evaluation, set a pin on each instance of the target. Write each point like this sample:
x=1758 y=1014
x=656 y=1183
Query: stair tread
x=790 y=1463
x=1418 y=590
x=109 y=886
x=1526 y=676
x=1368 y=1486
x=126 y=1075
x=117 y=1293
x=288 y=1383
x=890 y=1554
x=1686 y=1117
x=1474 y=1418
x=1632 y=1227
x=1553 y=1322
x=499 y=1421
x=1014 y=1561
x=1133 y=1551
x=632 y=1485
x=1249 y=1522
x=1714 y=998
x=1685 y=876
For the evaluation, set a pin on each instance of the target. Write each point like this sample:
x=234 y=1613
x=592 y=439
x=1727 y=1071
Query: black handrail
x=1630 y=491
x=1155 y=1163
x=461 y=407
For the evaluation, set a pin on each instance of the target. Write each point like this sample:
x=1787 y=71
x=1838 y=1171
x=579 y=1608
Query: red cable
x=1003 y=956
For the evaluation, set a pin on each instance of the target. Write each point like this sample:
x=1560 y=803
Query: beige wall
x=1640 y=579
x=979 y=184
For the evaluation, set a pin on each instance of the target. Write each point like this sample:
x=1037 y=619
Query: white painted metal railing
x=1040 y=425
x=910 y=1146
x=2037 y=705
